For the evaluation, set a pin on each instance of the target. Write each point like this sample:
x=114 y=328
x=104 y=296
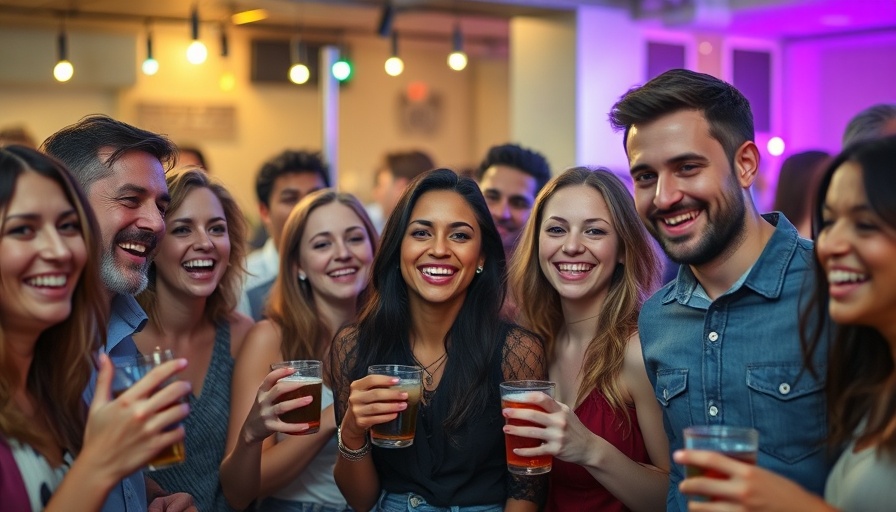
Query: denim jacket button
x=416 y=501
x=713 y=336
x=665 y=394
x=713 y=410
x=784 y=388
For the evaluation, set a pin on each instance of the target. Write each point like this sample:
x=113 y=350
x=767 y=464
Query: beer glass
x=127 y=372
x=399 y=433
x=308 y=373
x=513 y=396
x=741 y=443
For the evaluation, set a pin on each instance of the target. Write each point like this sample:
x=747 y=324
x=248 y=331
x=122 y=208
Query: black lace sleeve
x=343 y=357
x=524 y=359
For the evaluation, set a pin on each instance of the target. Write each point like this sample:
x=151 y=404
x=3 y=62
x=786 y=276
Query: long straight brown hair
x=632 y=282
x=291 y=305
x=63 y=355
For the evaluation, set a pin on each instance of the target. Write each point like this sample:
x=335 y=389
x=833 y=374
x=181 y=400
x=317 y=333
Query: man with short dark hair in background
x=281 y=183
x=122 y=171
x=510 y=177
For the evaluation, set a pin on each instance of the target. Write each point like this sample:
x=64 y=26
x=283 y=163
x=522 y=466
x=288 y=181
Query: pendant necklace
x=427 y=377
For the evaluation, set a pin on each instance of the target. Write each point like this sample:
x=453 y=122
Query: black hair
x=289 y=161
x=526 y=160
x=726 y=110
x=384 y=325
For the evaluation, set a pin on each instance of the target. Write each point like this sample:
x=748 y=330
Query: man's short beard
x=118 y=281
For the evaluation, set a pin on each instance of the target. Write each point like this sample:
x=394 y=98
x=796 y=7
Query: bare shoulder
x=240 y=325
x=263 y=336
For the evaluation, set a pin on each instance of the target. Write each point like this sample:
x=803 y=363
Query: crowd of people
x=781 y=321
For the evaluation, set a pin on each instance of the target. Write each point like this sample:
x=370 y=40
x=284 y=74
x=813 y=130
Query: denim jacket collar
x=766 y=277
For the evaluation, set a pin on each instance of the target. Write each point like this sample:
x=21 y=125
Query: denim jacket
x=737 y=361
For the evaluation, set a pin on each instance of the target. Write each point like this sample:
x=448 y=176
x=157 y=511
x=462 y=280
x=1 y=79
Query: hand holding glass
x=513 y=395
x=399 y=433
x=127 y=373
x=309 y=374
x=740 y=443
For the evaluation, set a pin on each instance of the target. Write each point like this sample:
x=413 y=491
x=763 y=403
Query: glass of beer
x=127 y=372
x=741 y=443
x=399 y=433
x=308 y=373
x=513 y=396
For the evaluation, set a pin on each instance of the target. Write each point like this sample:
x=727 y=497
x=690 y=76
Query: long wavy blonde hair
x=63 y=355
x=632 y=283
x=224 y=299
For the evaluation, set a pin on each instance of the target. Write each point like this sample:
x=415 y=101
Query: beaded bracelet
x=348 y=453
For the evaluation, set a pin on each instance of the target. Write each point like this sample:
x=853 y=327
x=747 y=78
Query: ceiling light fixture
x=299 y=72
x=387 y=16
x=457 y=60
x=250 y=16
x=394 y=64
x=196 y=52
x=63 y=71
x=150 y=65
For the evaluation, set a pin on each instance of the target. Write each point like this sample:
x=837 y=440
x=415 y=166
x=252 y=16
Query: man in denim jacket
x=721 y=342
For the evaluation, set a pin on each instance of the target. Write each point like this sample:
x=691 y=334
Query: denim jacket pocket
x=671 y=387
x=788 y=408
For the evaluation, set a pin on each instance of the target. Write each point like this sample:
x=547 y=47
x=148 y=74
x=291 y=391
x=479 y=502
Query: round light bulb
x=299 y=74
x=776 y=146
x=150 y=67
x=341 y=70
x=394 y=66
x=197 y=52
x=63 y=71
x=457 y=61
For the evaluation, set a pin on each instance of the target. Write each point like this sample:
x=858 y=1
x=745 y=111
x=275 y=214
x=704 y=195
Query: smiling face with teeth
x=686 y=192
x=578 y=247
x=194 y=253
x=130 y=204
x=335 y=253
x=856 y=248
x=441 y=249
x=42 y=253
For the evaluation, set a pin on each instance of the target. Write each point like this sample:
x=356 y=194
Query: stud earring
x=479 y=269
x=302 y=277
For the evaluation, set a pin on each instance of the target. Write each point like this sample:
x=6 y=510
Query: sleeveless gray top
x=863 y=481
x=206 y=428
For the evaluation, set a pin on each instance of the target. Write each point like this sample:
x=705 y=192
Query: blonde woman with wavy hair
x=326 y=251
x=190 y=298
x=581 y=271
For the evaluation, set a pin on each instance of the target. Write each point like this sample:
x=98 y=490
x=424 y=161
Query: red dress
x=572 y=488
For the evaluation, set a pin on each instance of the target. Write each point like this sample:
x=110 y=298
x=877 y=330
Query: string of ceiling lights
x=299 y=73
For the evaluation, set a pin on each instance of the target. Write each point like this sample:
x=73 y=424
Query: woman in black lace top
x=436 y=290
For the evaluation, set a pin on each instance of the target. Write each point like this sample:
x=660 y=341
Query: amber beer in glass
x=399 y=433
x=127 y=372
x=309 y=374
x=741 y=443
x=514 y=395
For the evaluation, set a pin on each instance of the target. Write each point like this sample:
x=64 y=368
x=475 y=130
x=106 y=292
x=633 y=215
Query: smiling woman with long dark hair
x=437 y=286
